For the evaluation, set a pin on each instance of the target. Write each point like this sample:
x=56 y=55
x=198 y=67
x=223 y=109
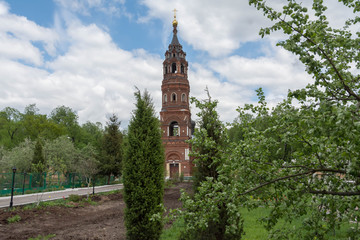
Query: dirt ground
x=102 y=221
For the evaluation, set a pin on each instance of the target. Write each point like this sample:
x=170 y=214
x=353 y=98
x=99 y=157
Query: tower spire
x=175 y=21
x=175 y=40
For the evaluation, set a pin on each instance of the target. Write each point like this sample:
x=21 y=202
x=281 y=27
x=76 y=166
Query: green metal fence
x=37 y=182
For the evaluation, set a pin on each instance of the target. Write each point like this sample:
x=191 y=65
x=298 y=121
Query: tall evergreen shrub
x=112 y=149
x=143 y=172
x=38 y=161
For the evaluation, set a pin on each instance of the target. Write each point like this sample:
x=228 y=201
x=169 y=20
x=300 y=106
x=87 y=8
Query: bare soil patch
x=102 y=221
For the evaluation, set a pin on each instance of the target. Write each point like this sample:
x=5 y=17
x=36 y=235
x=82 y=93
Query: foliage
x=16 y=126
x=212 y=213
x=40 y=237
x=10 y=127
x=174 y=232
x=38 y=162
x=61 y=155
x=92 y=133
x=111 y=157
x=20 y=131
x=306 y=157
x=75 y=198
x=14 y=219
x=37 y=125
x=20 y=156
x=67 y=118
x=253 y=227
x=88 y=163
x=208 y=141
x=143 y=172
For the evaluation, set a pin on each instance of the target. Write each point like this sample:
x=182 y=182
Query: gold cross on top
x=175 y=12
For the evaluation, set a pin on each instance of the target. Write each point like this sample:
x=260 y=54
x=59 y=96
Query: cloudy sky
x=90 y=54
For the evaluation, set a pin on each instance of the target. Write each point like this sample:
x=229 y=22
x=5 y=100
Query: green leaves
x=212 y=213
x=143 y=172
x=328 y=53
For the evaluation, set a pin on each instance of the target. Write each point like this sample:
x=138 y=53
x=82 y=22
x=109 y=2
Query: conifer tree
x=211 y=213
x=111 y=159
x=207 y=142
x=143 y=172
x=38 y=162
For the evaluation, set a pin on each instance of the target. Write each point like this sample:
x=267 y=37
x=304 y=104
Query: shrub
x=14 y=219
x=74 y=198
x=144 y=173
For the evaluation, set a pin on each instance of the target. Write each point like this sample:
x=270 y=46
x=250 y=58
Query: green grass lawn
x=253 y=228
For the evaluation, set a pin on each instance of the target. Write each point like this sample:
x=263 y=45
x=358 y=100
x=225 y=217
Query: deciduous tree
x=208 y=141
x=213 y=211
x=306 y=158
x=68 y=118
x=10 y=127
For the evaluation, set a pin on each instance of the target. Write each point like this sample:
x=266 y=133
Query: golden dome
x=175 y=23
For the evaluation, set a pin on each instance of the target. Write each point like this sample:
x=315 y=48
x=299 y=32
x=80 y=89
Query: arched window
x=174 y=129
x=182 y=68
x=173 y=97
x=183 y=97
x=165 y=98
x=166 y=69
x=173 y=68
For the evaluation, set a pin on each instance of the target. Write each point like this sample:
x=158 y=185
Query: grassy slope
x=253 y=228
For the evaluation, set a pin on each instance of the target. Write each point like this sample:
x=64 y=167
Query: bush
x=181 y=178
x=74 y=198
x=144 y=173
x=14 y=219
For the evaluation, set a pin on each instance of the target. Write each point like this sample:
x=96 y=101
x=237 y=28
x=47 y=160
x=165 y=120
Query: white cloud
x=277 y=73
x=18 y=49
x=218 y=28
x=93 y=76
x=4 y=8
x=96 y=78
x=229 y=96
x=99 y=77
x=24 y=32
x=84 y=7
x=241 y=76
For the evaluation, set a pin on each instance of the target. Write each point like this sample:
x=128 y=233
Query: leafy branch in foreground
x=213 y=211
x=306 y=159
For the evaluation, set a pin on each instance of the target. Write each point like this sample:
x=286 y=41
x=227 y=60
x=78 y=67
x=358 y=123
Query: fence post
x=73 y=177
x=94 y=179
x=30 y=181
x=44 y=180
x=24 y=184
x=12 y=187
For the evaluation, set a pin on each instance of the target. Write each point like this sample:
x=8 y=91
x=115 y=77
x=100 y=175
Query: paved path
x=48 y=196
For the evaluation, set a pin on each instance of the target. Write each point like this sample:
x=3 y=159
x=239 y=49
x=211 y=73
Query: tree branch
x=322 y=51
x=335 y=193
x=317 y=155
x=277 y=180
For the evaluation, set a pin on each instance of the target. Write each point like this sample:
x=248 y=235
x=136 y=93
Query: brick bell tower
x=175 y=116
